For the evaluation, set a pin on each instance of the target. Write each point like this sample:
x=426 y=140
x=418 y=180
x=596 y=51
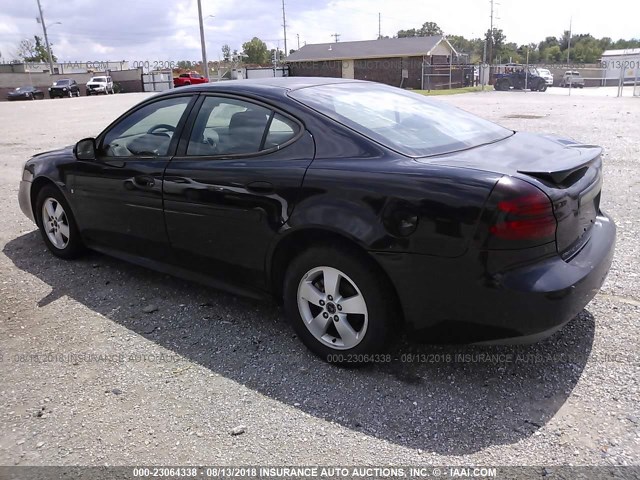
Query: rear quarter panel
x=357 y=197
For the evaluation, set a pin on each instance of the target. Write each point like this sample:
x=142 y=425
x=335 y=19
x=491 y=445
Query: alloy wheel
x=55 y=223
x=333 y=308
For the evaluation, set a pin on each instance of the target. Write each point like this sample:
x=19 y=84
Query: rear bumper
x=24 y=199
x=522 y=304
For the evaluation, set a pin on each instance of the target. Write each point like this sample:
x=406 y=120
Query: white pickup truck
x=572 y=79
x=99 y=85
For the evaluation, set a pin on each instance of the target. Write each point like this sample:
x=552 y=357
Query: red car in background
x=189 y=79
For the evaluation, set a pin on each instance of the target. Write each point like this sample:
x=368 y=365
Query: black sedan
x=25 y=93
x=366 y=209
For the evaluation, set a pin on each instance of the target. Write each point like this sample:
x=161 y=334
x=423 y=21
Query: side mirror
x=85 y=149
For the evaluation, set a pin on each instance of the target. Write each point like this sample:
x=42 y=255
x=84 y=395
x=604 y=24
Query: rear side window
x=227 y=126
x=408 y=123
x=281 y=131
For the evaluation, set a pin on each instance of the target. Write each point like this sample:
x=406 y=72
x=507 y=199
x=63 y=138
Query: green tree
x=34 y=51
x=185 y=65
x=256 y=51
x=428 y=29
x=552 y=54
x=406 y=33
x=226 y=52
x=495 y=43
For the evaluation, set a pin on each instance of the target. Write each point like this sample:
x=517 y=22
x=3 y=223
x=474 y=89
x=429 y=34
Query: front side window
x=146 y=132
x=226 y=126
x=406 y=122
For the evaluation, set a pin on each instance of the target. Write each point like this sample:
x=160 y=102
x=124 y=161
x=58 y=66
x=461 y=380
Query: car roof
x=259 y=85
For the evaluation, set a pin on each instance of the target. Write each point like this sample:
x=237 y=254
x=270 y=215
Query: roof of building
x=622 y=51
x=385 y=47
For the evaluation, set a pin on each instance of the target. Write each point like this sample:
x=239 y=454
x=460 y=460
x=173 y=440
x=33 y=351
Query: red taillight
x=519 y=215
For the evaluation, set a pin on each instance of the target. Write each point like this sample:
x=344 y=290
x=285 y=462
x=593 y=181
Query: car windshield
x=60 y=83
x=98 y=79
x=544 y=71
x=24 y=89
x=408 y=123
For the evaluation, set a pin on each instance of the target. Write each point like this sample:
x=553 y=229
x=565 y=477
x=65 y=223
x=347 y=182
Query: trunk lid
x=568 y=172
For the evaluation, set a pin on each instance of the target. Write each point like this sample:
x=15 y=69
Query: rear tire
x=340 y=304
x=57 y=224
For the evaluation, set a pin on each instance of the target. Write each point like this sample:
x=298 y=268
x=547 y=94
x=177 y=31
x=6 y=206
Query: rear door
x=233 y=185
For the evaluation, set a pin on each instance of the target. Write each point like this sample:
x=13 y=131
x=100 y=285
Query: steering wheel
x=162 y=126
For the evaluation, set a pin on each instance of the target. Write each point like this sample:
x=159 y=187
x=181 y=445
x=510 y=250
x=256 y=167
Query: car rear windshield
x=406 y=122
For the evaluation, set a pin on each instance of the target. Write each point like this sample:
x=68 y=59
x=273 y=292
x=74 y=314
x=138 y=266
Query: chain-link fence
x=605 y=78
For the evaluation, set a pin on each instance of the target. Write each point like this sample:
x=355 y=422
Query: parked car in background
x=520 y=79
x=365 y=208
x=547 y=75
x=97 y=85
x=66 y=87
x=189 y=79
x=572 y=79
x=25 y=93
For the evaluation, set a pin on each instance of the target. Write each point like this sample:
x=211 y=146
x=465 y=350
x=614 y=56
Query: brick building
x=394 y=61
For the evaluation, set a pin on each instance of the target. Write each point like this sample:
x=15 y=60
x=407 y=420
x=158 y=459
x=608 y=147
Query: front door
x=119 y=195
x=233 y=185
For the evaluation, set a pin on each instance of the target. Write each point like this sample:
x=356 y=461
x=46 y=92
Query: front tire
x=57 y=224
x=339 y=303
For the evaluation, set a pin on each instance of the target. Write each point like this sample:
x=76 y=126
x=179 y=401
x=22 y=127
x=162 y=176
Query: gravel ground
x=147 y=369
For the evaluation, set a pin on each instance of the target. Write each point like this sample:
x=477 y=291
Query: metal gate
x=157 y=81
x=266 y=72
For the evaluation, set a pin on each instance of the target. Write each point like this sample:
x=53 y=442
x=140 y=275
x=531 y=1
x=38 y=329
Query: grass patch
x=446 y=91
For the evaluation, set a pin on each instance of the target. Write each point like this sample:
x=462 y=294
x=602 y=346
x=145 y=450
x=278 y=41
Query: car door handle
x=146 y=181
x=260 y=187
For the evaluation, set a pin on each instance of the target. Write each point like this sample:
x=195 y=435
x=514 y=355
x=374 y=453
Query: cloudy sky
x=167 y=30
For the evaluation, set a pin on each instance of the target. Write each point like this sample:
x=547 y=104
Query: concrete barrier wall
x=129 y=80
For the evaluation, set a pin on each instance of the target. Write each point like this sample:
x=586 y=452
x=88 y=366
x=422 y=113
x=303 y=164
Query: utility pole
x=298 y=36
x=284 y=27
x=205 y=63
x=379 y=26
x=569 y=43
x=336 y=36
x=568 y=51
x=46 y=39
x=491 y=33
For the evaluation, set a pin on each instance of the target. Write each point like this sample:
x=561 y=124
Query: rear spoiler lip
x=559 y=175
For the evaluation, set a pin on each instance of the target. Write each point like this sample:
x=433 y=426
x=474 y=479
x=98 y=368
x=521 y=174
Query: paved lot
x=627 y=91
x=126 y=387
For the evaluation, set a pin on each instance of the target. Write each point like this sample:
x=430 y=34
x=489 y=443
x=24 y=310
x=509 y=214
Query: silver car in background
x=572 y=79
